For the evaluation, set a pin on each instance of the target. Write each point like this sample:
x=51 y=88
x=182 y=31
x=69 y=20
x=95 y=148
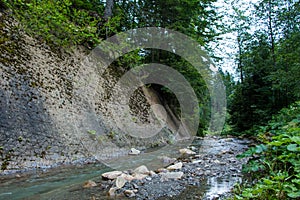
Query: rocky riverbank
x=205 y=171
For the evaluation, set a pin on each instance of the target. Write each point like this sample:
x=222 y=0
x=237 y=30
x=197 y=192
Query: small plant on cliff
x=92 y=132
x=112 y=135
x=20 y=139
x=5 y=158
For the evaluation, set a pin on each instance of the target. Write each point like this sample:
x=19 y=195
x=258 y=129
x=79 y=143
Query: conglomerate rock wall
x=47 y=117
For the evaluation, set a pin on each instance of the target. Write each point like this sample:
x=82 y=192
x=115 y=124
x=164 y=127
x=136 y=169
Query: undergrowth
x=59 y=23
x=274 y=164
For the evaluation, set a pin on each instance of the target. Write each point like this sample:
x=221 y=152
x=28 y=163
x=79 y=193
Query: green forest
x=263 y=88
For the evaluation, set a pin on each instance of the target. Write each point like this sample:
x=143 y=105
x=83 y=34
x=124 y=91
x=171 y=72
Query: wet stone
x=111 y=175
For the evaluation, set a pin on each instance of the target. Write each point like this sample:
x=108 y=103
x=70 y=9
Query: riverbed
x=209 y=174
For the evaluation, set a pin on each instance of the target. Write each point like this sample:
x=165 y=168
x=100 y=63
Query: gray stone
x=175 y=166
x=134 y=151
x=127 y=177
x=172 y=175
x=89 y=184
x=129 y=193
x=120 y=182
x=186 y=151
x=112 y=191
x=167 y=160
x=141 y=170
x=111 y=175
x=196 y=161
x=139 y=176
x=160 y=170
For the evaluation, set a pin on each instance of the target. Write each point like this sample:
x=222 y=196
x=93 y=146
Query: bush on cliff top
x=59 y=23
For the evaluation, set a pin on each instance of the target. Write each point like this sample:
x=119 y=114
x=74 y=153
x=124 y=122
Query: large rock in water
x=111 y=175
x=141 y=170
x=134 y=151
x=186 y=152
x=127 y=177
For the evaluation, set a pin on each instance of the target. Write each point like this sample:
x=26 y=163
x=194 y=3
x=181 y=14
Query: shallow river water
x=66 y=182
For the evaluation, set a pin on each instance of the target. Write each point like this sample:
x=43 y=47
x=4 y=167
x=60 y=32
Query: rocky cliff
x=48 y=117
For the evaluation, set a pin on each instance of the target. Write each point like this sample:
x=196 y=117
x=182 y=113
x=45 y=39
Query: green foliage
x=268 y=63
x=59 y=23
x=20 y=139
x=102 y=139
x=275 y=164
x=5 y=157
x=67 y=23
x=194 y=18
x=92 y=132
x=191 y=74
x=112 y=134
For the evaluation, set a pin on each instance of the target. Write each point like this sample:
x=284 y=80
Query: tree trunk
x=240 y=65
x=108 y=9
x=270 y=19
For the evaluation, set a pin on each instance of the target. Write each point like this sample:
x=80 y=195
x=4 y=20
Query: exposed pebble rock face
x=27 y=131
x=56 y=110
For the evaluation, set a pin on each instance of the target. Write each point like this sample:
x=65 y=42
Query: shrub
x=59 y=23
x=275 y=163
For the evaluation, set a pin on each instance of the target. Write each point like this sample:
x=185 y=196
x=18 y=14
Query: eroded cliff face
x=34 y=82
x=51 y=113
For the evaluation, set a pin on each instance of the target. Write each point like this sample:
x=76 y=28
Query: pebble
x=112 y=192
x=193 y=148
x=186 y=151
x=200 y=173
x=135 y=186
x=152 y=173
x=196 y=161
x=166 y=160
x=141 y=170
x=172 y=175
x=217 y=161
x=223 y=152
x=120 y=182
x=89 y=184
x=127 y=177
x=139 y=176
x=161 y=170
x=175 y=166
x=129 y=193
x=111 y=175
x=134 y=151
x=207 y=172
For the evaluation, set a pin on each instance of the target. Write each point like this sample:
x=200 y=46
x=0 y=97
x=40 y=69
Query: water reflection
x=217 y=186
